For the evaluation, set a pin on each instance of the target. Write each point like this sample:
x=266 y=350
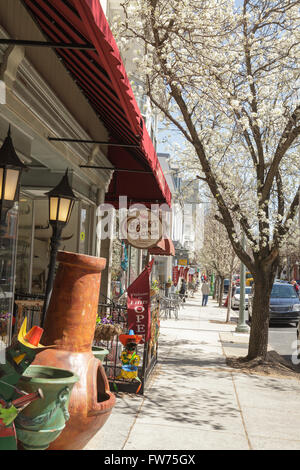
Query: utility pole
x=242 y=327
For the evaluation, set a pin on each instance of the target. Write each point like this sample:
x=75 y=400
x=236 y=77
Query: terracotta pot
x=70 y=326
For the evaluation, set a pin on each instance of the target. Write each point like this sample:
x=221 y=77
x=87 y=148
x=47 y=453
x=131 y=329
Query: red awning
x=164 y=247
x=101 y=76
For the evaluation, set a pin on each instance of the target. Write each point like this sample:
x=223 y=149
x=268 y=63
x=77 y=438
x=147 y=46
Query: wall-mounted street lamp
x=10 y=173
x=61 y=203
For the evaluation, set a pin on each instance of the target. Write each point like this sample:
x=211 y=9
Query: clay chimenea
x=70 y=325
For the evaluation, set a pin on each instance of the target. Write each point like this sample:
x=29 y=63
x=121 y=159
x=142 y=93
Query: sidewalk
x=196 y=402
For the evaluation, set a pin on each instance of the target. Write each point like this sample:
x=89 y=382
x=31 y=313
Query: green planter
x=43 y=420
x=100 y=353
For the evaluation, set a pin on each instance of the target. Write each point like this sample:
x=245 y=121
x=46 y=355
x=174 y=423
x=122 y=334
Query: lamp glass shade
x=9 y=178
x=53 y=208
x=63 y=213
x=11 y=181
x=1 y=181
x=60 y=209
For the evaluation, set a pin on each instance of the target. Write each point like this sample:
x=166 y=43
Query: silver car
x=235 y=301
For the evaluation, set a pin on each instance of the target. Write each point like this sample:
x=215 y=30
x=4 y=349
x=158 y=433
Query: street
x=282 y=338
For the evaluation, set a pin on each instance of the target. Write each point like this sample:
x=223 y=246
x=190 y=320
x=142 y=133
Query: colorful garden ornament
x=129 y=358
x=17 y=358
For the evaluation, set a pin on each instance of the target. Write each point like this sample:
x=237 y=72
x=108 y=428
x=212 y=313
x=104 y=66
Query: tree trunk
x=258 y=341
x=229 y=297
x=215 y=296
x=221 y=291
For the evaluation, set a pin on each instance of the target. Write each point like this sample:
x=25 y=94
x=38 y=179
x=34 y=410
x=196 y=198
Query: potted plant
x=169 y=283
x=106 y=329
x=154 y=288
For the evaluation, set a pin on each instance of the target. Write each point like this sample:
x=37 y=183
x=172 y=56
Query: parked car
x=235 y=300
x=226 y=286
x=284 y=304
x=282 y=281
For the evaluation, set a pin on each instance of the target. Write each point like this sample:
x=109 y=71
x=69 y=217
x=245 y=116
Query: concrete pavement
x=194 y=401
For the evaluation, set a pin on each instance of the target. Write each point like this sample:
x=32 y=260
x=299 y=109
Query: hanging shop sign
x=182 y=262
x=186 y=270
x=138 y=304
x=142 y=230
x=181 y=271
x=175 y=275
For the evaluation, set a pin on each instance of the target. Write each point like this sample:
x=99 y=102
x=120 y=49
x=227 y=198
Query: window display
x=7 y=273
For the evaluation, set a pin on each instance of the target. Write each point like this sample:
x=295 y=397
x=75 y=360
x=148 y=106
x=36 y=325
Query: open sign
x=139 y=309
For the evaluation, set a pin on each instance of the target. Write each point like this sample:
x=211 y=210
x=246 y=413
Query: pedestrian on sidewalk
x=295 y=285
x=182 y=290
x=205 y=289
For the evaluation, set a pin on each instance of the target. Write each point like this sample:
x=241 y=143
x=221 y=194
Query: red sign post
x=175 y=275
x=138 y=304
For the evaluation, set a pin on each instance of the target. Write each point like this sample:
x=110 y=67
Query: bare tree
x=217 y=254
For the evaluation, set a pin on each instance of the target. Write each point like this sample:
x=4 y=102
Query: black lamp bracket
x=52 y=44
x=91 y=141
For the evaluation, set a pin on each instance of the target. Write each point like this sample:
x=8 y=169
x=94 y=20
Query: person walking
x=295 y=285
x=205 y=289
x=182 y=290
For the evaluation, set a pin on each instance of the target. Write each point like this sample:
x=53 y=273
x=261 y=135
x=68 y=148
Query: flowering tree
x=225 y=74
x=289 y=253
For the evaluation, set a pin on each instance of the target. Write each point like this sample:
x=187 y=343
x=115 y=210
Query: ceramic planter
x=70 y=326
x=100 y=353
x=43 y=420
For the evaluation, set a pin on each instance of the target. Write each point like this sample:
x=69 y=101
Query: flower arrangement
x=4 y=321
x=154 y=287
x=106 y=329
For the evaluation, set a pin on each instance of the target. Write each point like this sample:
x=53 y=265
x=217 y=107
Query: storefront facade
x=49 y=102
x=35 y=107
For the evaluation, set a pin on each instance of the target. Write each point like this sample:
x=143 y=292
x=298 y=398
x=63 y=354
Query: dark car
x=284 y=304
x=226 y=286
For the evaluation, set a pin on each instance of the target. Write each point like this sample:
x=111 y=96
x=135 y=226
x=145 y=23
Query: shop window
x=133 y=264
x=24 y=245
x=34 y=236
x=7 y=273
x=84 y=228
x=41 y=246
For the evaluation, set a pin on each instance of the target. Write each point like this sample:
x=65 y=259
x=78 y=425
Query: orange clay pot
x=70 y=326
